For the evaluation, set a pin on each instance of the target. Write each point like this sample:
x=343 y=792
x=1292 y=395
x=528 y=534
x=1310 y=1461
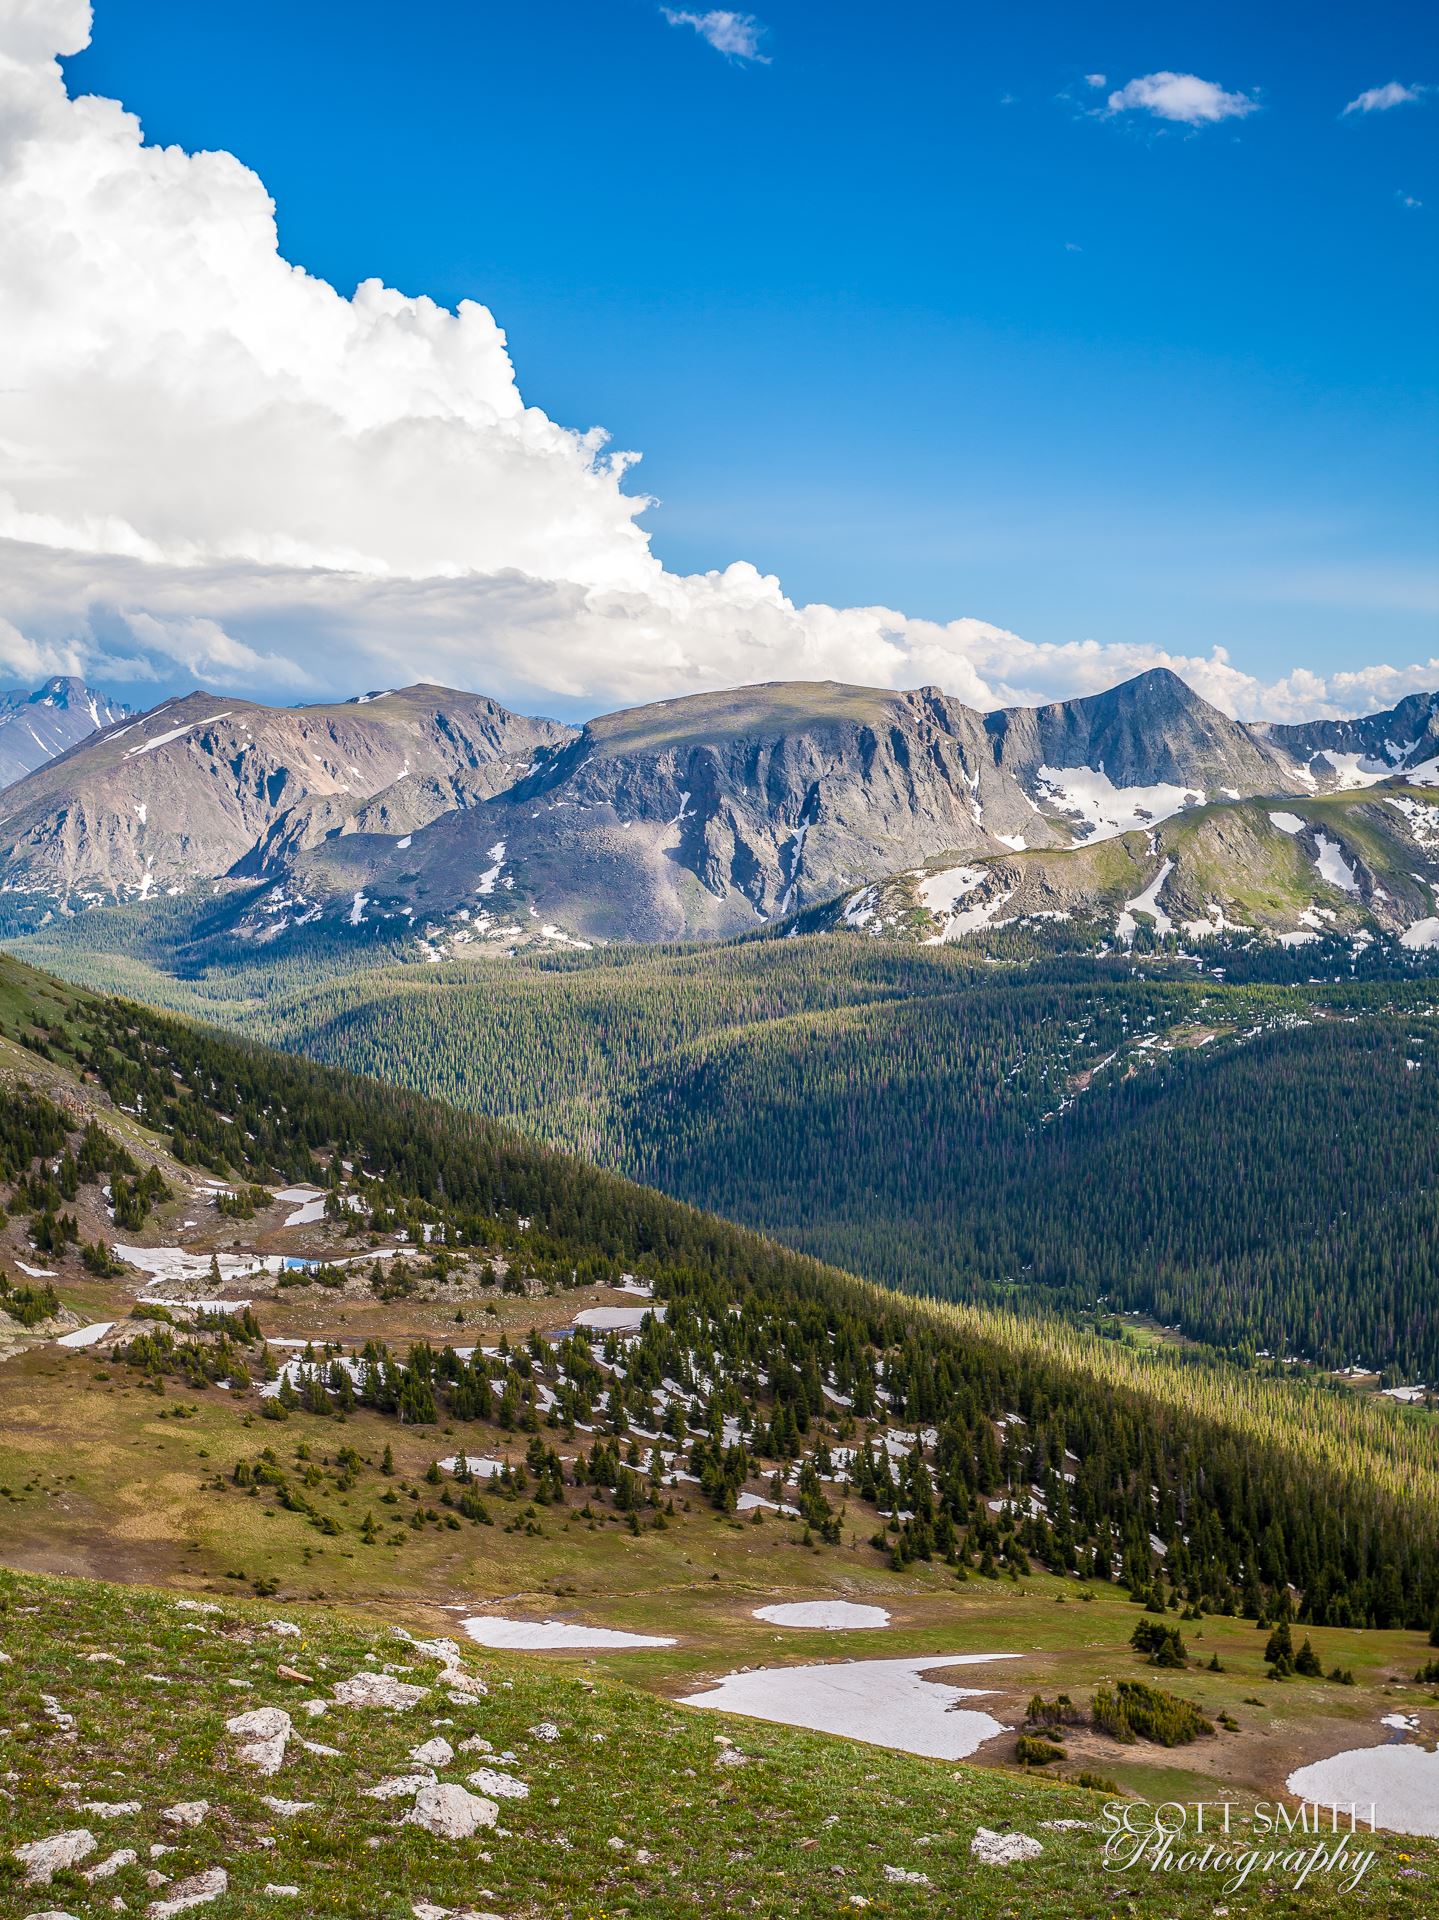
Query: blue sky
x=901 y=312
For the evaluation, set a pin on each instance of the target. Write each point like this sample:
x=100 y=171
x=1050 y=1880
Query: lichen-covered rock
x=501 y=1786
x=110 y=1865
x=400 y=1786
x=185 y=1813
x=433 y=1753
x=450 y=1812
x=378 y=1690
x=43 y=1859
x=198 y=1891
x=262 y=1735
x=286 y=1809
x=1003 y=1849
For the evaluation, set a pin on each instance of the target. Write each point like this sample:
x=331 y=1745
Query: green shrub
x=1131 y=1710
x=1032 y=1751
x=1161 y=1642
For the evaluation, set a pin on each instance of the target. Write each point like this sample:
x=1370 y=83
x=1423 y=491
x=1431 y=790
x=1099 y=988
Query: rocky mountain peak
x=38 y=724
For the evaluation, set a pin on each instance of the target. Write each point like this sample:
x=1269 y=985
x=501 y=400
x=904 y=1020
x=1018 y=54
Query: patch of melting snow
x=833 y=1615
x=175 y=1263
x=298 y=1370
x=308 y=1202
x=616 y=1319
x=1400 y=1780
x=1147 y=903
x=1218 y=922
x=1332 y=865
x=1354 y=769
x=888 y=1703
x=859 y=908
x=200 y=1306
x=941 y=892
x=1288 y=822
x=486 y=882
x=85 y=1336
x=175 y=733
x=357 y=909
x=1109 y=810
x=1423 y=933
x=492 y=1630
x=749 y=1502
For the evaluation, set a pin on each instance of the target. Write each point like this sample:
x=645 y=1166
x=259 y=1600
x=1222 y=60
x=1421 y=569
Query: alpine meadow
x=675 y=1243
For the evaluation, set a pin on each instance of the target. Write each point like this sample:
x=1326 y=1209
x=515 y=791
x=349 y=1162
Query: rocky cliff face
x=35 y=727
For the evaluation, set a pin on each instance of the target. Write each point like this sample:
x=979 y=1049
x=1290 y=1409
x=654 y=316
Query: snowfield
x=85 y=1336
x=616 y=1319
x=1332 y=865
x=533 y=1636
x=1401 y=1781
x=833 y=1615
x=888 y=1703
x=1108 y=810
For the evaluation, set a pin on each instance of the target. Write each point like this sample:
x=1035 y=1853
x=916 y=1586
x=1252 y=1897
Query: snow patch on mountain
x=1107 y=810
x=1147 y=903
x=1333 y=867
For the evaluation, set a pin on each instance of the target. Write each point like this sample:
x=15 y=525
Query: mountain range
x=721 y=813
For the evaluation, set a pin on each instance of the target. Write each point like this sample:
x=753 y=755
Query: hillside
x=594 y=1796
x=396 y=1171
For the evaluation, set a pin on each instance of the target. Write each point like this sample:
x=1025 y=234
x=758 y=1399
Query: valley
x=1077 y=1112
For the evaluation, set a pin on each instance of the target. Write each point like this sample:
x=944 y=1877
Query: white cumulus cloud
x=737 y=34
x=1181 y=96
x=1381 y=99
x=214 y=465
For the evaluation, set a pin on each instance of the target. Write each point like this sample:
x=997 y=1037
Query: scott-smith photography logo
x=1212 y=1837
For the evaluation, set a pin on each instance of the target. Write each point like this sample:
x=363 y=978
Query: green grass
x=762 y=1838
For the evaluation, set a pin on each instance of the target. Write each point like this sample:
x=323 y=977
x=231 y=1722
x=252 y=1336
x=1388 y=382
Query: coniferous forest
x=1252 y=1161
